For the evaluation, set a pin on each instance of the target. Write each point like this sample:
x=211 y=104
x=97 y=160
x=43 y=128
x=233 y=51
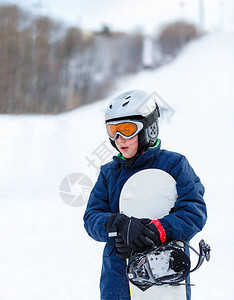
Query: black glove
x=159 y=231
x=122 y=249
x=132 y=230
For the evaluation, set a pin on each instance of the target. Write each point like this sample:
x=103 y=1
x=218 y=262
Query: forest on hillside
x=48 y=67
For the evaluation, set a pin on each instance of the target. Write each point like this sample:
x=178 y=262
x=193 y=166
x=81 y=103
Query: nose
x=122 y=139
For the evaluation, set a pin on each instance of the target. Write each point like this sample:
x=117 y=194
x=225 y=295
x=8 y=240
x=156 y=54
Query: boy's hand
x=132 y=230
x=157 y=228
x=122 y=249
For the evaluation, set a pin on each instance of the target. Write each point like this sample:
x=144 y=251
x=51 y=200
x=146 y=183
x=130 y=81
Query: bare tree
x=174 y=36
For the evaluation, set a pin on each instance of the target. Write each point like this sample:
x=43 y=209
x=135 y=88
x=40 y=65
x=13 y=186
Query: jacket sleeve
x=98 y=210
x=189 y=214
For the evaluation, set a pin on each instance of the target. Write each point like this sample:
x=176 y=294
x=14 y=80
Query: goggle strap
x=151 y=118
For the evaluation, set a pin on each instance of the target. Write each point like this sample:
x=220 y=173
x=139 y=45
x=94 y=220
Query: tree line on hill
x=47 y=67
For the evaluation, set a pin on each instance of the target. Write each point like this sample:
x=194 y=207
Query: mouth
x=124 y=148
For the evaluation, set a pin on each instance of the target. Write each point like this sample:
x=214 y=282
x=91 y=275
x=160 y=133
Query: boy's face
x=128 y=147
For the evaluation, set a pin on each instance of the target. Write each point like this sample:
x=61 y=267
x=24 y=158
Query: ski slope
x=45 y=252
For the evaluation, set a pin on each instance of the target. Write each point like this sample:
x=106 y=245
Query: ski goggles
x=127 y=129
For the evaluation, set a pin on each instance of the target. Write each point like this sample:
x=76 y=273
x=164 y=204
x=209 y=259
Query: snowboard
x=151 y=193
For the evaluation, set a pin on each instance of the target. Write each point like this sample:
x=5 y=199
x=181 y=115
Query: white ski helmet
x=138 y=107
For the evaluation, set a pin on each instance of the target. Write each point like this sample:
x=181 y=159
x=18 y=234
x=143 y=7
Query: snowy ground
x=44 y=251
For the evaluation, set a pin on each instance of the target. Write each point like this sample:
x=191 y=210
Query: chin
x=129 y=155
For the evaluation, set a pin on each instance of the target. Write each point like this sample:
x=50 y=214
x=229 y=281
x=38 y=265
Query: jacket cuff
x=167 y=228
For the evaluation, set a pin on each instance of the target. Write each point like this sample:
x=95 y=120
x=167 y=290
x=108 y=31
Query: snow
x=159 y=264
x=45 y=252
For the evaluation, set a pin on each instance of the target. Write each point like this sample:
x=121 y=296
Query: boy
x=132 y=125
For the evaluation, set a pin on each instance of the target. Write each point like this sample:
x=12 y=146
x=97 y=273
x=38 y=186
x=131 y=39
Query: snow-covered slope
x=44 y=251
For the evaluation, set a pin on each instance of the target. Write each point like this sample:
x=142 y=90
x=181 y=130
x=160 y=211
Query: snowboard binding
x=166 y=264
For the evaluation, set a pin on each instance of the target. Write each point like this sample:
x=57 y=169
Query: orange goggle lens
x=127 y=129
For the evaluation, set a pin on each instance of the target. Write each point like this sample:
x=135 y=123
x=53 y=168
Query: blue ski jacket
x=188 y=217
